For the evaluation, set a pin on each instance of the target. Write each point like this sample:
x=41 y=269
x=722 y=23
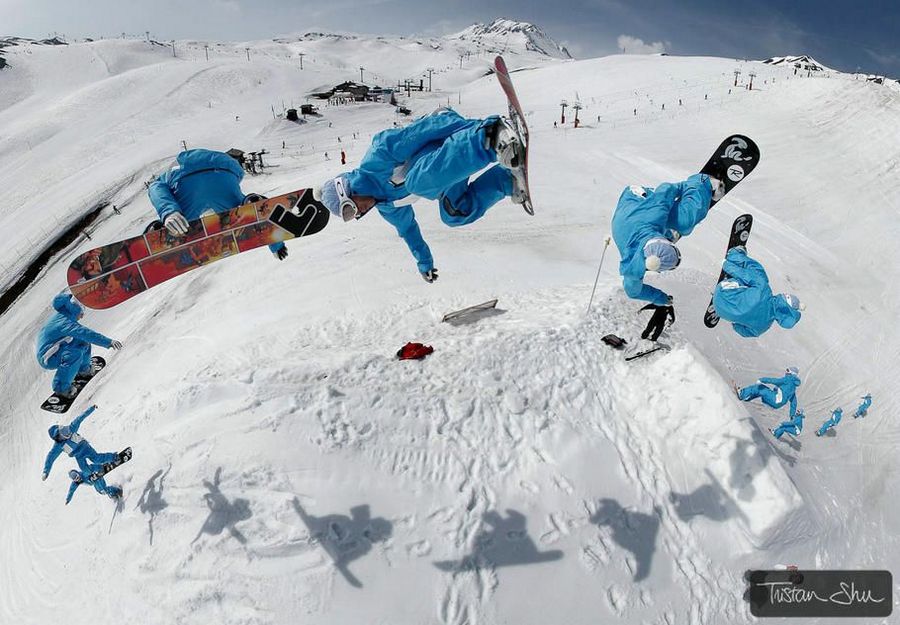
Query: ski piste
x=109 y=275
x=732 y=161
x=517 y=117
x=124 y=456
x=740 y=232
x=58 y=404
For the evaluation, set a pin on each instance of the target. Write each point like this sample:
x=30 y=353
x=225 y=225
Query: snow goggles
x=76 y=476
x=349 y=209
x=64 y=431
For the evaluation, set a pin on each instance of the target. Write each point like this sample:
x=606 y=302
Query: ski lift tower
x=563 y=105
x=752 y=76
x=576 y=107
x=737 y=73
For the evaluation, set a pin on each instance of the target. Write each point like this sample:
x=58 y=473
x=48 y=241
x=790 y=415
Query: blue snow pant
x=443 y=172
x=829 y=423
x=70 y=360
x=761 y=391
x=787 y=427
x=89 y=454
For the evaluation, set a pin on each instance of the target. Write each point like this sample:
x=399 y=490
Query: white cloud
x=633 y=45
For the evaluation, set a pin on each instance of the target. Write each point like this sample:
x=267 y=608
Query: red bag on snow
x=414 y=351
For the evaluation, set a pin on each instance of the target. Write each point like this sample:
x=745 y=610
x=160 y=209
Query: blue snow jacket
x=643 y=213
x=796 y=422
x=75 y=446
x=746 y=299
x=381 y=174
x=200 y=181
x=63 y=328
x=785 y=390
x=99 y=485
x=863 y=408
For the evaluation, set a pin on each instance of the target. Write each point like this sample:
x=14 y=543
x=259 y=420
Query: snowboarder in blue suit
x=84 y=476
x=863 y=408
x=432 y=158
x=648 y=222
x=830 y=422
x=745 y=298
x=784 y=391
x=65 y=345
x=793 y=426
x=201 y=181
x=67 y=439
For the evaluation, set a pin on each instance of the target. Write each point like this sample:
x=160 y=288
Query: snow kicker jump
x=109 y=275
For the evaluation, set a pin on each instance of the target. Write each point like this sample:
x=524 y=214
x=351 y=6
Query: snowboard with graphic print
x=60 y=403
x=108 y=275
x=121 y=458
x=740 y=232
x=732 y=161
x=517 y=118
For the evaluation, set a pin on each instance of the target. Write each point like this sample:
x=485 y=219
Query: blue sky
x=844 y=34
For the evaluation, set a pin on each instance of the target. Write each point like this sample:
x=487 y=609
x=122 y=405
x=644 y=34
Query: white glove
x=176 y=224
x=116 y=345
x=43 y=476
x=430 y=276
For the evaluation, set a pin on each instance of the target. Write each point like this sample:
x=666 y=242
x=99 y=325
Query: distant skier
x=201 y=181
x=84 y=476
x=65 y=345
x=830 y=422
x=648 y=222
x=432 y=158
x=67 y=439
x=784 y=391
x=745 y=298
x=793 y=426
x=863 y=408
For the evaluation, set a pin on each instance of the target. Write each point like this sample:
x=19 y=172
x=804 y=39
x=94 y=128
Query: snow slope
x=288 y=469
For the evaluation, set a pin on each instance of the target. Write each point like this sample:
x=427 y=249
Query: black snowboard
x=732 y=161
x=124 y=456
x=740 y=232
x=59 y=404
x=640 y=353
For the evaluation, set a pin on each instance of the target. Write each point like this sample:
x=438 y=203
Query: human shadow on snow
x=709 y=500
x=151 y=501
x=223 y=514
x=501 y=542
x=633 y=531
x=346 y=538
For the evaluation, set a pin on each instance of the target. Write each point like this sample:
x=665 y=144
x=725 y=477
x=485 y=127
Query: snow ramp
x=522 y=448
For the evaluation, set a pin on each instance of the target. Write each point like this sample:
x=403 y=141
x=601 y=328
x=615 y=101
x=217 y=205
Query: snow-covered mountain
x=802 y=62
x=287 y=468
x=503 y=34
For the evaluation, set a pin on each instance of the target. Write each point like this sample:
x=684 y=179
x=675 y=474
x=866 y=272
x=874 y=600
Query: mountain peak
x=502 y=33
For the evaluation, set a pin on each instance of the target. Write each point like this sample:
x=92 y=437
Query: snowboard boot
x=519 y=193
x=718 y=189
x=502 y=138
x=69 y=394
